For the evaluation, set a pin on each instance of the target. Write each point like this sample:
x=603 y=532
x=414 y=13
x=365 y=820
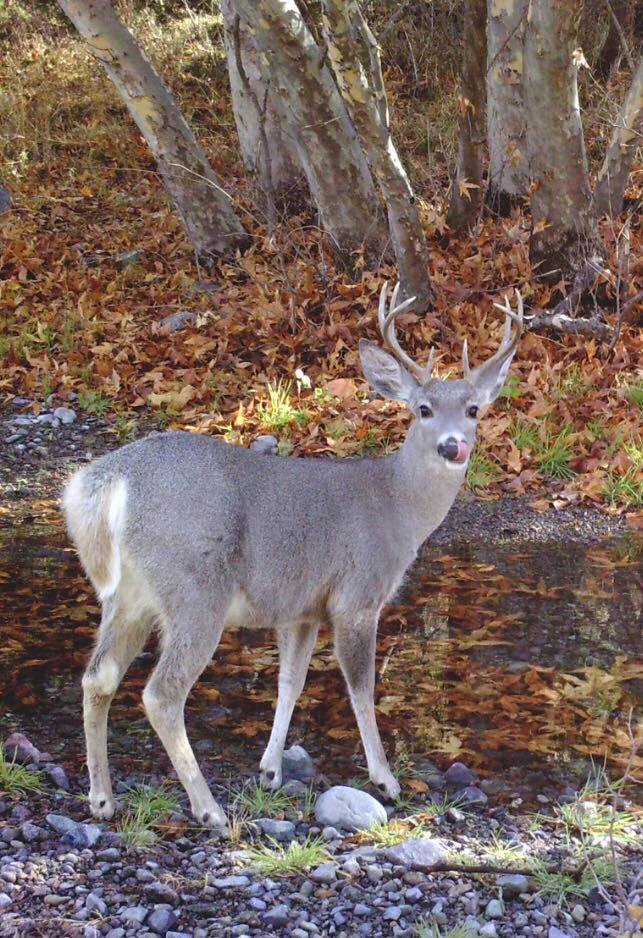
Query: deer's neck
x=423 y=488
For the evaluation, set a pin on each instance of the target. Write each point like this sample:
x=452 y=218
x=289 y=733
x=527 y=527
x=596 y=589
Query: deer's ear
x=385 y=374
x=489 y=379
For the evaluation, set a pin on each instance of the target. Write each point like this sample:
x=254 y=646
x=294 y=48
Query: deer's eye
x=425 y=412
x=472 y=411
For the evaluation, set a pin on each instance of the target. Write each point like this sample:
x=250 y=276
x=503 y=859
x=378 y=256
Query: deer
x=185 y=534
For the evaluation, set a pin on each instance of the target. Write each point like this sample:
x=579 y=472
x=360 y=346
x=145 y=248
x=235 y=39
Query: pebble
x=324 y=873
x=472 y=797
x=135 y=914
x=161 y=920
x=349 y=809
x=488 y=930
x=494 y=909
x=283 y=831
x=57 y=775
x=17 y=747
x=459 y=776
x=296 y=763
x=422 y=853
x=230 y=882
x=512 y=885
x=278 y=916
x=556 y=933
x=4 y=899
x=578 y=913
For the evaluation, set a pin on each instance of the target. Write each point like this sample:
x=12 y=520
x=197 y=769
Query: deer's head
x=446 y=412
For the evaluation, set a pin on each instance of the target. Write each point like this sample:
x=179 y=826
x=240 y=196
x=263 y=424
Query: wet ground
x=520 y=659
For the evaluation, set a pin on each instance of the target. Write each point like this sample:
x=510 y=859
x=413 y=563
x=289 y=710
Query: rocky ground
x=61 y=874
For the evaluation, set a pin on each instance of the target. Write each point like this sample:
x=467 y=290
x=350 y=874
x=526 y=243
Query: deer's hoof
x=270 y=778
x=213 y=818
x=102 y=806
x=388 y=786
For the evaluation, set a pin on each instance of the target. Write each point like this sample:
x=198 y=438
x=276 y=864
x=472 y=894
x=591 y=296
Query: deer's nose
x=453 y=450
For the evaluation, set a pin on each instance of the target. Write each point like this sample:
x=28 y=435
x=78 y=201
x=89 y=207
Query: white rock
x=349 y=808
x=65 y=414
x=578 y=913
x=495 y=909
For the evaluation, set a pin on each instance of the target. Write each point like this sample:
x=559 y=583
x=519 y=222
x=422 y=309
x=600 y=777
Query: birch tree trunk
x=205 y=208
x=626 y=137
x=466 y=192
x=508 y=167
x=564 y=232
x=266 y=149
x=355 y=59
x=328 y=150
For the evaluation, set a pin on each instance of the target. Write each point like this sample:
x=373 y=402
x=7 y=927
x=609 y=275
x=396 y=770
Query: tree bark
x=266 y=149
x=466 y=192
x=612 y=49
x=564 y=232
x=508 y=167
x=626 y=137
x=205 y=208
x=355 y=59
x=328 y=150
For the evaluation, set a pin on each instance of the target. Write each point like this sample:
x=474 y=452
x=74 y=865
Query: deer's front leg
x=355 y=649
x=296 y=646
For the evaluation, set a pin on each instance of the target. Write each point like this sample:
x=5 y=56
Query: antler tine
x=387 y=328
x=510 y=339
x=465 y=360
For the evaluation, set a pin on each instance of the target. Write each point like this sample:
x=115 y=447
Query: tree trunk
x=622 y=14
x=267 y=152
x=564 y=231
x=205 y=208
x=355 y=59
x=466 y=192
x=508 y=167
x=626 y=137
x=328 y=150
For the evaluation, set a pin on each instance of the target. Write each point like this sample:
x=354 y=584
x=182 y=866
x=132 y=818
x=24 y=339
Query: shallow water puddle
x=525 y=660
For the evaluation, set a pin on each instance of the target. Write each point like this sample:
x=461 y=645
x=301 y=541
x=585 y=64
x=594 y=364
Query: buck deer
x=186 y=534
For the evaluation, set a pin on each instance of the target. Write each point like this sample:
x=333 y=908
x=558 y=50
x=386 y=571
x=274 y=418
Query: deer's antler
x=510 y=338
x=387 y=328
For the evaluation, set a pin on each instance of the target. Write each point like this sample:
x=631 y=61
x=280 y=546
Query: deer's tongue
x=463 y=452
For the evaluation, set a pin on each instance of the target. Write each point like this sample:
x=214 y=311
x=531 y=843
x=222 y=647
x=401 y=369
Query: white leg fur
x=296 y=646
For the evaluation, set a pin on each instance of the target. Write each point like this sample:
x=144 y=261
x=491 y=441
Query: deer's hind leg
x=123 y=633
x=188 y=642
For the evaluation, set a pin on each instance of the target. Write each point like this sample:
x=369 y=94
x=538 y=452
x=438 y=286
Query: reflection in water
x=498 y=656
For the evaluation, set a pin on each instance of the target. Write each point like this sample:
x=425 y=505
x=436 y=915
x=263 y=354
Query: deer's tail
x=95 y=514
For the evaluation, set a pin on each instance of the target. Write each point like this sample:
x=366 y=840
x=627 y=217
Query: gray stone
x=267 y=444
x=324 y=873
x=361 y=909
x=556 y=933
x=471 y=797
x=65 y=414
x=352 y=867
x=4 y=899
x=331 y=833
x=5 y=200
x=31 y=832
x=488 y=930
x=94 y=903
x=392 y=914
x=349 y=808
x=81 y=836
x=60 y=823
x=256 y=904
x=230 y=882
x=57 y=775
x=19 y=749
x=178 y=934
x=512 y=885
x=459 y=776
x=374 y=872
x=413 y=894
x=177 y=320
x=277 y=917
x=283 y=831
x=421 y=854
x=91 y=931
x=296 y=763
x=115 y=933
x=161 y=920
x=494 y=909
x=578 y=913
x=134 y=915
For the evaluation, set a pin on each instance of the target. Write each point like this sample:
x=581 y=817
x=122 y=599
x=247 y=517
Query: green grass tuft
x=278 y=411
x=15 y=779
x=554 y=454
x=148 y=806
x=280 y=860
x=255 y=801
x=481 y=472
